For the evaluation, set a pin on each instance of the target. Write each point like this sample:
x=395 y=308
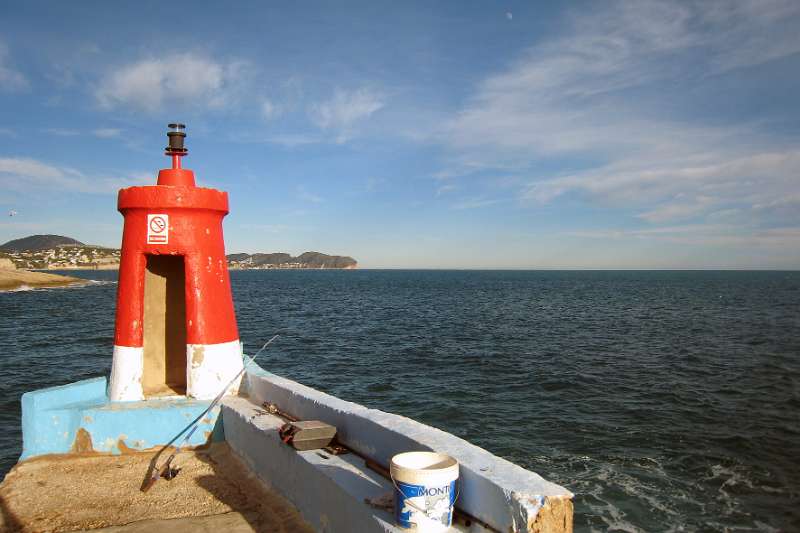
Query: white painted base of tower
x=125 y=384
x=212 y=366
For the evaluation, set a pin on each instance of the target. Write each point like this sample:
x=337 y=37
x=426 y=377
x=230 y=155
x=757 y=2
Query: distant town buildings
x=87 y=257
x=66 y=257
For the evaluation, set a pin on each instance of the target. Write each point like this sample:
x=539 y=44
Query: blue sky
x=437 y=135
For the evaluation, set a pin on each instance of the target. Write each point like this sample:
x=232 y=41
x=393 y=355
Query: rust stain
x=83 y=442
x=87 y=419
x=198 y=354
x=124 y=448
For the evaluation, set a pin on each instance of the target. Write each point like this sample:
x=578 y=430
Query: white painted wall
x=127 y=365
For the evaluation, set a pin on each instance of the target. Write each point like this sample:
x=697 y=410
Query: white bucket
x=424 y=490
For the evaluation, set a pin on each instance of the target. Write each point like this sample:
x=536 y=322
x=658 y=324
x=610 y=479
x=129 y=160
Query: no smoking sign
x=157 y=229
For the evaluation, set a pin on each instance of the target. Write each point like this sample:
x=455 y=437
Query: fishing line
x=165 y=470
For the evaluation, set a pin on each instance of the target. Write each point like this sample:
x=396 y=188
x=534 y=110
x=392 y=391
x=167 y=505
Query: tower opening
x=164 y=371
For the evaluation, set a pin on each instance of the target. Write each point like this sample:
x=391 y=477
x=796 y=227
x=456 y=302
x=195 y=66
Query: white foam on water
x=25 y=288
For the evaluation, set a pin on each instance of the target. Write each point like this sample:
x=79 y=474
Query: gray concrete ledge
x=328 y=490
x=503 y=495
x=329 y=493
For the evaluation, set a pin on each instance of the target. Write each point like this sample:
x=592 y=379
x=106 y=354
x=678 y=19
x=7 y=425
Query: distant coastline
x=56 y=252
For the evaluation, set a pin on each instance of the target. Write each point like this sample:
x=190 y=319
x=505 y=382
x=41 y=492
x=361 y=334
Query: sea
x=664 y=400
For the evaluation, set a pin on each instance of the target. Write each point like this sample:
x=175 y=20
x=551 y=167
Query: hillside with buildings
x=55 y=252
x=283 y=260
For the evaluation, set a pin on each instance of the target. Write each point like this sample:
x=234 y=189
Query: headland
x=12 y=278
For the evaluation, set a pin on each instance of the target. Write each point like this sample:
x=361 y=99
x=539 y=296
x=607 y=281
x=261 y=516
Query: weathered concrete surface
x=69 y=493
x=233 y=522
x=505 y=496
x=555 y=515
x=15 y=279
x=329 y=491
x=80 y=417
x=333 y=492
x=164 y=363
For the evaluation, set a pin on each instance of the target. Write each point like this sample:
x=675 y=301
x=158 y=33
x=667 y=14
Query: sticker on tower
x=157 y=229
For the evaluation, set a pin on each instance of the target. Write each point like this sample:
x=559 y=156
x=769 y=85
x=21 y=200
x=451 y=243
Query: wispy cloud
x=102 y=133
x=373 y=183
x=444 y=189
x=780 y=238
x=178 y=80
x=106 y=133
x=290 y=140
x=62 y=132
x=31 y=175
x=474 y=203
x=10 y=78
x=307 y=196
x=344 y=110
x=571 y=98
x=269 y=109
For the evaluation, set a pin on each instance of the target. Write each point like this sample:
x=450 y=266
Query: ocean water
x=666 y=401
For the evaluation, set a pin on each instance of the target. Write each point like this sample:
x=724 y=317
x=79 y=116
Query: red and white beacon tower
x=175 y=328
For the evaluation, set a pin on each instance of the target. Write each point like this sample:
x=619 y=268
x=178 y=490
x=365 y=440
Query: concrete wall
x=498 y=492
x=79 y=418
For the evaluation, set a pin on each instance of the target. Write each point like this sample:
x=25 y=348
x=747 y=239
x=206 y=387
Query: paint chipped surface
x=122 y=447
x=555 y=514
x=198 y=354
x=82 y=442
x=219 y=365
x=127 y=367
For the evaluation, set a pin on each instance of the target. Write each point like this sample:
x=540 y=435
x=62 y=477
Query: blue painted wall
x=52 y=417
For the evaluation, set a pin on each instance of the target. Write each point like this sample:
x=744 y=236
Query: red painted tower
x=175 y=328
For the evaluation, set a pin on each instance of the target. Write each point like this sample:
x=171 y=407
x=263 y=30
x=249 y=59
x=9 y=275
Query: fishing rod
x=165 y=470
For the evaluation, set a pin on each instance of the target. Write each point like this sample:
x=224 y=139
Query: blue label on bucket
x=437 y=502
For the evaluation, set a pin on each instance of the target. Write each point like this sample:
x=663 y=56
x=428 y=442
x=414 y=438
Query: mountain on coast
x=38 y=242
x=283 y=260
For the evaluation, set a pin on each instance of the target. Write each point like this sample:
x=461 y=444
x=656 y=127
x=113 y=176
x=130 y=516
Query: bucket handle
x=412 y=504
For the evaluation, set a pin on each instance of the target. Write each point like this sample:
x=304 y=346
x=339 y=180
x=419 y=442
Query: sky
x=526 y=135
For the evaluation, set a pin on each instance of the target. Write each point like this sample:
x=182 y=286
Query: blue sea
x=666 y=401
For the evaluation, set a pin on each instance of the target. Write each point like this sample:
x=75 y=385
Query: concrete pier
x=213 y=492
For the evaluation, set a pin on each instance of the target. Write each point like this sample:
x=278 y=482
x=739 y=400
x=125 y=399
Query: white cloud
x=292 y=140
x=10 y=78
x=103 y=133
x=372 y=183
x=682 y=187
x=307 y=196
x=178 y=79
x=31 y=175
x=344 y=110
x=62 y=132
x=570 y=98
x=269 y=110
x=106 y=133
x=473 y=203
x=785 y=238
x=444 y=189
